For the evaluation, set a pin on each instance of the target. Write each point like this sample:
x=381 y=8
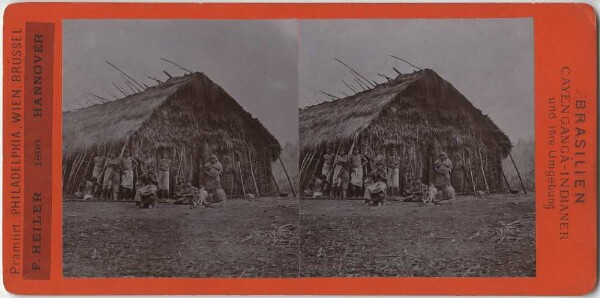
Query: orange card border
x=564 y=35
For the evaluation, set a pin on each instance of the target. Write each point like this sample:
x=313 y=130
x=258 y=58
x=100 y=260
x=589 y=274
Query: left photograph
x=180 y=148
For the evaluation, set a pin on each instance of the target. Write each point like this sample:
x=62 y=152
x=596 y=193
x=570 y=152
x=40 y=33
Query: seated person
x=86 y=189
x=185 y=193
x=145 y=195
x=179 y=185
x=216 y=198
x=199 y=198
x=416 y=190
x=376 y=184
x=315 y=187
x=408 y=186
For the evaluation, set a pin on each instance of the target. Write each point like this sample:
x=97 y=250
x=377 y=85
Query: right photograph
x=417 y=148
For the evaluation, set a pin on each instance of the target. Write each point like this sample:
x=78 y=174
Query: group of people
x=360 y=175
x=145 y=180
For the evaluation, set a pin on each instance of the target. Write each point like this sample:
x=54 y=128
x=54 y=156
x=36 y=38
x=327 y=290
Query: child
x=199 y=199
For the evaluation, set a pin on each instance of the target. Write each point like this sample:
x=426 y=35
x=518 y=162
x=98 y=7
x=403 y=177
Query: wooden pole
x=472 y=179
x=71 y=173
x=399 y=73
x=275 y=181
x=185 y=69
x=242 y=178
x=168 y=75
x=130 y=87
x=318 y=160
x=156 y=80
x=286 y=175
x=385 y=77
x=304 y=160
x=122 y=72
x=330 y=95
x=132 y=84
x=360 y=84
x=354 y=71
x=347 y=85
x=506 y=180
x=407 y=62
x=120 y=90
x=99 y=97
x=518 y=173
x=307 y=165
x=308 y=161
x=487 y=187
x=252 y=172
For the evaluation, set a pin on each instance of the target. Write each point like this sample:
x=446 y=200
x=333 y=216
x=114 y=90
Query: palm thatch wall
x=188 y=117
x=419 y=115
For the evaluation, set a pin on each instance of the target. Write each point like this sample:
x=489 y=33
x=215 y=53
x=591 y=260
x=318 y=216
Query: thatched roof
x=416 y=106
x=111 y=123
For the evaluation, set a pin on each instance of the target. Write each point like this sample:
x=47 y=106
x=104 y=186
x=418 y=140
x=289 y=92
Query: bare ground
x=490 y=236
x=243 y=239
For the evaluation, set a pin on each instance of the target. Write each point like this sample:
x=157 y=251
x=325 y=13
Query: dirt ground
x=490 y=236
x=243 y=239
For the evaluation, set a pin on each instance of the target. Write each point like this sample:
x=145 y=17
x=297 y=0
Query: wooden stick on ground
x=518 y=173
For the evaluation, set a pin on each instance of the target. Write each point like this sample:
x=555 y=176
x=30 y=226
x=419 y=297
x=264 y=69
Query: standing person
x=328 y=160
x=356 y=172
x=98 y=164
x=377 y=158
x=128 y=163
x=164 y=168
x=213 y=170
x=111 y=164
x=394 y=173
x=97 y=173
x=442 y=168
x=377 y=184
x=148 y=161
x=340 y=163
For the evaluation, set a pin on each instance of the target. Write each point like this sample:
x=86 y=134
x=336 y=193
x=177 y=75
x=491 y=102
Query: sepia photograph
x=417 y=148
x=180 y=144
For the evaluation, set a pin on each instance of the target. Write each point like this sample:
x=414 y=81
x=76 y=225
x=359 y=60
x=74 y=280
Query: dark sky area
x=490 y=61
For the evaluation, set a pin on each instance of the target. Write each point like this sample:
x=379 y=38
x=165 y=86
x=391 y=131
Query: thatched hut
x=188 y=117
x=419 y=115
